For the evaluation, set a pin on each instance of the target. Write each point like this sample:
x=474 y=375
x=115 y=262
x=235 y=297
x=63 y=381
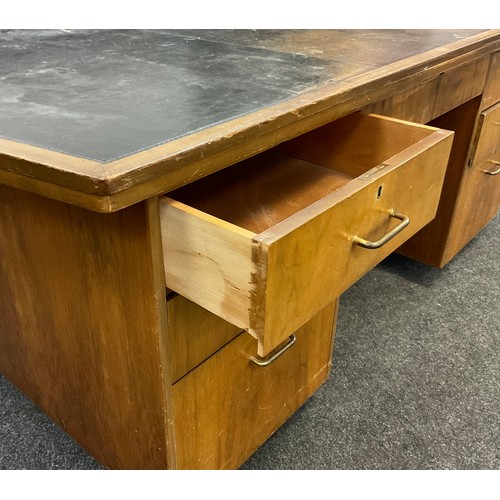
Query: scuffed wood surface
x=82 y=324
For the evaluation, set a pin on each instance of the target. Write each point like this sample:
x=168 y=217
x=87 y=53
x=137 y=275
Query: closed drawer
x=228 y=406
x=487 y=153
x=491 y=93
x=194 y=334
x=269 y=242
x=480 y=193
x=435 y=97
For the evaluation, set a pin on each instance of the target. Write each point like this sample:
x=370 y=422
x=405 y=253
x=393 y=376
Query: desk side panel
x=81 y=324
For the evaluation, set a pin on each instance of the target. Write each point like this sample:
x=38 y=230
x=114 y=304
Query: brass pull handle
x=492 y=172
x=405 y=220
x=274 y=355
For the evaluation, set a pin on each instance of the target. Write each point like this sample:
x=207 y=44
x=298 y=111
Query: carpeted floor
x=415 y=381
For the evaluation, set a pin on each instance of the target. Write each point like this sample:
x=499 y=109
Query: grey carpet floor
x=415 y=382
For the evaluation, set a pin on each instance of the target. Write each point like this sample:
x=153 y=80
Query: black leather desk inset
x=107 y=94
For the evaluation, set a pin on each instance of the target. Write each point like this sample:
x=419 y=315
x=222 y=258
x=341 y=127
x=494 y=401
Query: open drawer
x=269 y=242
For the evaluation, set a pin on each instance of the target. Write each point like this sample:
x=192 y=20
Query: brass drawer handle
x=274 y=355
x=405 y=220
x=492 y=172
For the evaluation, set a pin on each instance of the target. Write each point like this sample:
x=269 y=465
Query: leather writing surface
x=107 y=94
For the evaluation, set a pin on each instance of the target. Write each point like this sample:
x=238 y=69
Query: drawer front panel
x=491 y=93
x=194 y=334
x=318 y=260
x=488 y=144
x=433 y=98
x=228 y=406
x=479 y=197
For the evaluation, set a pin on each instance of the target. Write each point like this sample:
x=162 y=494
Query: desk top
x=106 y=118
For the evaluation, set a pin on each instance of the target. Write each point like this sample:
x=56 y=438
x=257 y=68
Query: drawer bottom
x=228 y=406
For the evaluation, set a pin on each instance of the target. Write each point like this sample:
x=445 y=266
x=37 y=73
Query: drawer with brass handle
x=479 y=197
x=229 y=405
x=487 y=151
x=267 y=243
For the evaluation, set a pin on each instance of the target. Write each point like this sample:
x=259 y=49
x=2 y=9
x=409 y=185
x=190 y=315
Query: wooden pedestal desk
x=180 y=211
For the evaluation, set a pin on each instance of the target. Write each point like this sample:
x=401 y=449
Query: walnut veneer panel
x=82 y=321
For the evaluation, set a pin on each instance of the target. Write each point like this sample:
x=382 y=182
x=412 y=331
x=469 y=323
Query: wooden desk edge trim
x=109 y=187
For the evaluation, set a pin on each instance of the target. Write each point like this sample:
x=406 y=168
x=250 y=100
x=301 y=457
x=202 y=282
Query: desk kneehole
x=267 y=243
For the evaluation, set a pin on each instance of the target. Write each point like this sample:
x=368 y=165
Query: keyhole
x=379 y=192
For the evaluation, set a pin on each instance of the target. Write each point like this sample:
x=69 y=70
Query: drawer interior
x=262 y=191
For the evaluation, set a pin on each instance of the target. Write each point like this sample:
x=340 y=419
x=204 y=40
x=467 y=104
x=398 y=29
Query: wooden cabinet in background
x=479 y=197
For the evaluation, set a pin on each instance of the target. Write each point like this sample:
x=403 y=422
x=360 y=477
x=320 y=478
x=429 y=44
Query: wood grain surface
x=82 y=328
x=272 y=282
x=207 y=260
x=479 y=197
x=429 y=244
x=194 y=334
x=491 y=93
x=302 y=266
x=262 y=191
x=433 y=98
x=228 y=406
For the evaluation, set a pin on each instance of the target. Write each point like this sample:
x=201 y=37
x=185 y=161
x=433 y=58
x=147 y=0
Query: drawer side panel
x=207 y=261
